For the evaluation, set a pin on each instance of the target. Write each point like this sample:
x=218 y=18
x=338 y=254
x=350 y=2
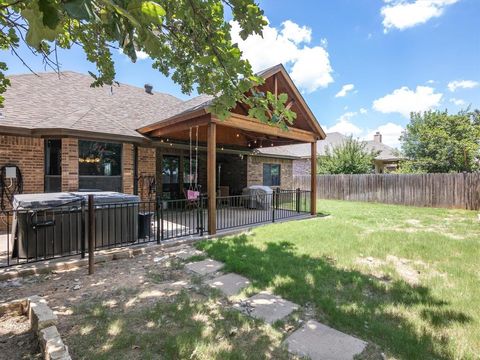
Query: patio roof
x=240 y=130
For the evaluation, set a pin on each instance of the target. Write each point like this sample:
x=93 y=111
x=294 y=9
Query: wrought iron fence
x=43 y=234
x=244 y=210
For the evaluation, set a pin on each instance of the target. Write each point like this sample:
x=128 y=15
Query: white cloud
x=462 y=84
x=309 y=66
x=458 y=102
x=431 y=81
x=345 y=89
x=405 y=101
x=390 y=131
x=141 y=55
x=363 y=111
x=345 y=126
x=403 y=14
x=390 y=134
x=298 y=34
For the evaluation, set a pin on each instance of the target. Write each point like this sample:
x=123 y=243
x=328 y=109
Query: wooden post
x=91 y=234
x=313 y=179
x=212 y=178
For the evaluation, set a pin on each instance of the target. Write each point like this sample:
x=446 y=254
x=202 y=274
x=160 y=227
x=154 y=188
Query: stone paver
x=205 y=267
x=229 y=284
x=267 y=307
x=186 y=253
x=319 y=342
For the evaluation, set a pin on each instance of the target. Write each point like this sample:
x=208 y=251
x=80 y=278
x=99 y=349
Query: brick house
x=64 y=135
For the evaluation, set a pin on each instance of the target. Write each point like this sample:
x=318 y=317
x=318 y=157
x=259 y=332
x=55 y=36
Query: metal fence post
x=91 y=234
x=298 y=200
x=273 y=204
x=200 y=215
x=82 y=230
x=159 y=211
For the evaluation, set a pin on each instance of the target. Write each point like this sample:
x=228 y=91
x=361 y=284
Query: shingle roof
x=48 y=101
x=333 y=139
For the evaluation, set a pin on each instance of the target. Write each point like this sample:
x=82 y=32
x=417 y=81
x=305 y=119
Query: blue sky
x=389 y=57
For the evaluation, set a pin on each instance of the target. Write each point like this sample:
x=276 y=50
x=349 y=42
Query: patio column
x=313 y=178
x=212 y=177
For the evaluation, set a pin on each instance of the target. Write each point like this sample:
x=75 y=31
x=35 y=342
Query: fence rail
x=49 y=233
x=460 y=191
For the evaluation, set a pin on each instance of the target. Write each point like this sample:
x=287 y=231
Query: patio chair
x=192 y=197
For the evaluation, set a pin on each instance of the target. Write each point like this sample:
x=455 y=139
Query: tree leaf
x=37 y=30
x=153 y=11
x=79 y=9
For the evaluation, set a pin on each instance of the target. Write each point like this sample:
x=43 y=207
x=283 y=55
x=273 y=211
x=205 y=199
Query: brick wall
x=301 y=167
x=255 y=171
x=28 y=154
x=146 y=172
x=127 y=168
x=69 y=164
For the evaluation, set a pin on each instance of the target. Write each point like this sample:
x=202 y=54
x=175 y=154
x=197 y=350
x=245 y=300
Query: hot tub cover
x=50 y=200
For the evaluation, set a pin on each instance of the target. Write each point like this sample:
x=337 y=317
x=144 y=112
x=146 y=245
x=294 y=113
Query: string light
x=238 y=135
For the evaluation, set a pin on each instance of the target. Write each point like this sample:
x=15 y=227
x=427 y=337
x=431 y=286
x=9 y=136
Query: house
x=386 y=161
x=64 y=135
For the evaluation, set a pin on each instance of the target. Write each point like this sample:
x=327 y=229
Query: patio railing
x=244 y=210
x=43 y=234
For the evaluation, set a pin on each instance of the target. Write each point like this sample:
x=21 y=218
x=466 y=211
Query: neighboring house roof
x=333 y=139
x=49 y=101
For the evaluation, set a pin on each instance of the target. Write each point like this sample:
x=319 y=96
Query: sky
x=362 y=65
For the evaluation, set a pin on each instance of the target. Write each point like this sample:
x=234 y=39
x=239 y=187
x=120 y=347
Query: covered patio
x=239 y=134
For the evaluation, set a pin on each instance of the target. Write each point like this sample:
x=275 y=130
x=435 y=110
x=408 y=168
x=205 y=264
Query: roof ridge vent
x=148 y=89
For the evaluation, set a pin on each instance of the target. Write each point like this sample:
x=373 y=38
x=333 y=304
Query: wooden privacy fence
x=461 y=191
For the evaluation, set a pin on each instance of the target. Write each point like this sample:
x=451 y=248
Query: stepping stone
x=204 y=267
x=229 y=284
x=186 y=253
x=317 y=341
x=267 y=307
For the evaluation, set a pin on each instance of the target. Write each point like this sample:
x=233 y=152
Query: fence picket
x=460 y=191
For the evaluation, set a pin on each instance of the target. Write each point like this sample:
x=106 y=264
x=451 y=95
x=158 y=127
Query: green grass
x=181 y=327
x=404 y=278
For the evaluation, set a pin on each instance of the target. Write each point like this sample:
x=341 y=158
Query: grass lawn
x=404 y=278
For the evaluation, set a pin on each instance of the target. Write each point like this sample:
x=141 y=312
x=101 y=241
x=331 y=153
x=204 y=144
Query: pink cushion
x=192 y=194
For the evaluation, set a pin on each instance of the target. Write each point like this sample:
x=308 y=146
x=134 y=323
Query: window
x=53 y=157
x=99 y=158
x=271 y=174
x=53 y=165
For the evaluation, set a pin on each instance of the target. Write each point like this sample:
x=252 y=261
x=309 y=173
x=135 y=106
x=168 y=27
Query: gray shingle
x=48 y=101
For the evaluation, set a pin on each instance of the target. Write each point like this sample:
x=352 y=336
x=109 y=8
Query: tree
x=438 y=142
x=188 y=40
x=350 y=157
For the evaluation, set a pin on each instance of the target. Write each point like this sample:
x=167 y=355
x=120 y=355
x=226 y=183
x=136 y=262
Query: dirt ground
x=119 y=289
x=16 y=339
x=131 y=281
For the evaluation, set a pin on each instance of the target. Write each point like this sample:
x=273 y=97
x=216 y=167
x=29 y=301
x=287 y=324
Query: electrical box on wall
x=11 y=172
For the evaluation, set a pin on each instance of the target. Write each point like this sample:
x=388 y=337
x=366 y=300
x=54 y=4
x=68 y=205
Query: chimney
x=377 y=137
x=148 y=89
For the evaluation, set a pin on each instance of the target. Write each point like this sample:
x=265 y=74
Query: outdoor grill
x=258 y=197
